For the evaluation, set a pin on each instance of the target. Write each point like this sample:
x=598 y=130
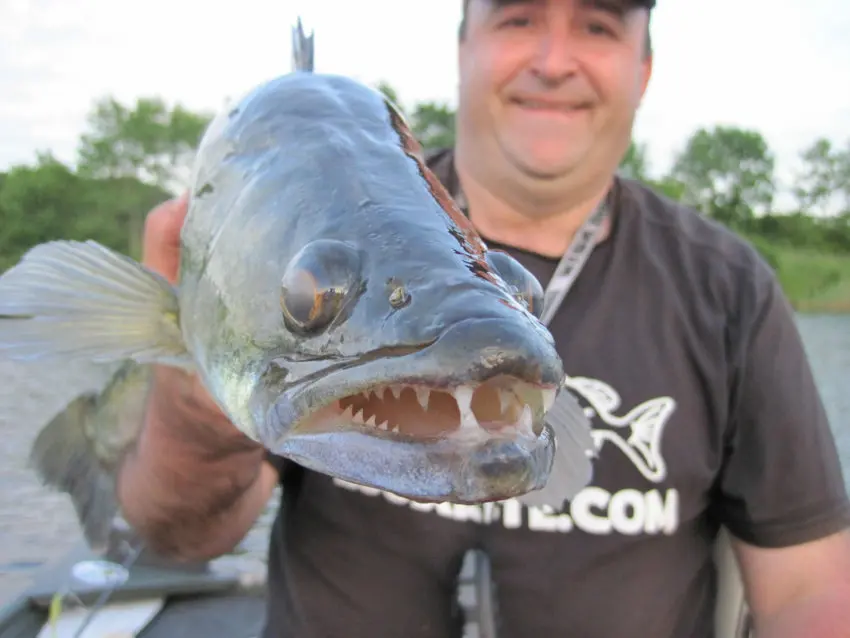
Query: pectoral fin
x=82 y=300
x=572 y=468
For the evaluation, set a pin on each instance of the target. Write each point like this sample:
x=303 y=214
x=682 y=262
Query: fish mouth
x=404 y=425
x=501 y=406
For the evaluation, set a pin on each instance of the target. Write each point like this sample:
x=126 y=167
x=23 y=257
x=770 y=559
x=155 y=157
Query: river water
x=37 y=526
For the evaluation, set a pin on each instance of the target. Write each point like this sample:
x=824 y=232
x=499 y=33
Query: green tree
x=148 y=140
x=433 y=125
x=824 y=180
x=670 y=187
x=38 y=203
x=47 y=201
x=635 y=163
x=391 y=94
x=726 y=172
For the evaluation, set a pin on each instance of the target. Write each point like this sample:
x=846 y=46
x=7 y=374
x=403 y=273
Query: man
x=675 y=336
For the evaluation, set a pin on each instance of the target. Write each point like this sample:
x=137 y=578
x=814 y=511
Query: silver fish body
x=333 y=299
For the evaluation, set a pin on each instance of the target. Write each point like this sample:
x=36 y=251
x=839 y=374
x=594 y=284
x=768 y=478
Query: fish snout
x=507 y=345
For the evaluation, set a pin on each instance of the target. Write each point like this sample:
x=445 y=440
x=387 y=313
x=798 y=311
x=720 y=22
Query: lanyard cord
x=573 y=260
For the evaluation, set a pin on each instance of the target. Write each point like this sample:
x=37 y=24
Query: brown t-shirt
x=680 y=344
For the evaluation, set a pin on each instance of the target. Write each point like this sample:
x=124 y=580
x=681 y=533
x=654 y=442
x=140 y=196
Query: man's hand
x=194 y=484
x=161 y=243
x=161 y=253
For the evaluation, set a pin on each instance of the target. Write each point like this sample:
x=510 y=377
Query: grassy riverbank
x=815 y=282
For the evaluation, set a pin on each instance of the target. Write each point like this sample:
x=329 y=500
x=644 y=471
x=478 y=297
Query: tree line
x=132 y=156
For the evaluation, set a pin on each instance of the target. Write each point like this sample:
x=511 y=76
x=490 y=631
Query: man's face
x=551 y=86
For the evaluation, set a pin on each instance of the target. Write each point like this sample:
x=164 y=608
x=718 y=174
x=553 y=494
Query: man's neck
x=547 y=230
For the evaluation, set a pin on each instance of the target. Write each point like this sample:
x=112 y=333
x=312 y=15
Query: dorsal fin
x=302 y=49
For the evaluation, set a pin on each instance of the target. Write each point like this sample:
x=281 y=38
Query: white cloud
x=779 y=68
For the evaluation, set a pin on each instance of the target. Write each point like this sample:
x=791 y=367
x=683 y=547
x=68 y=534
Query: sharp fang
x=463 y=396
x=366 y=393
x=396 y=390
x=348 y=414
x=395 y=430
x=358 y=417
x=505 y=400
x=372 y=421
x=524 y=423
x=422 y=395
x=379 y=392
x=384 y=426
x=548 y=398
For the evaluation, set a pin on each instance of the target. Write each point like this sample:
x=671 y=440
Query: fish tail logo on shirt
x=636 y=436
x=637 y=433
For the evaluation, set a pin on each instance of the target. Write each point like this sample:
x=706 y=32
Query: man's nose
x=555 y=59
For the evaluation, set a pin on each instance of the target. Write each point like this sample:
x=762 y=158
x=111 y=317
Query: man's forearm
x=192 y=487
x=824 y=614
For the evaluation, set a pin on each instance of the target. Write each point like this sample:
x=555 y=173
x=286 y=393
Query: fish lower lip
x=437 y=471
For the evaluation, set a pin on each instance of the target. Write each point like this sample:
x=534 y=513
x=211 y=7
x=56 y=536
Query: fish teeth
x=372 y=421
x=379 y=392
x=396 y=390
x=548 y=397
x=395 y=430
x=463 y=396
x=422 y=395
x=358 y=417
x=348 y=413
x=384 y=426
x=524 y=423
x=505 y=400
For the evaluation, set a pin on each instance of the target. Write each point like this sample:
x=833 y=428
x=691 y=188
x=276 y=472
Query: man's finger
x=161 y=242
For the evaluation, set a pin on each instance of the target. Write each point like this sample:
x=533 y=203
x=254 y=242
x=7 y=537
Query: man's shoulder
x=440 y=161
x=682 y=232
x=435 y=154
x=715 y=271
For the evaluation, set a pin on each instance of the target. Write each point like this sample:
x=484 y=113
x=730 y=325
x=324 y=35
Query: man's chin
x=543 y=159
x=545 y=167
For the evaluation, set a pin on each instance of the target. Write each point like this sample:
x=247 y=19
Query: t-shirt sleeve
x=291 y=474
x=278 y=462
x=781 y=482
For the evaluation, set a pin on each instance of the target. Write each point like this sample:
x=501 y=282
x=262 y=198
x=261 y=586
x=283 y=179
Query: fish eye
x=524 y=286
x=317 y=284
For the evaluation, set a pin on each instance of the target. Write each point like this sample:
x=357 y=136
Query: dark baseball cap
x=645 y=4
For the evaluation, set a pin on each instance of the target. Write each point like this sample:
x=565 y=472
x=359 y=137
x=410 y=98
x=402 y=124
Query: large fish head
x=397 y=351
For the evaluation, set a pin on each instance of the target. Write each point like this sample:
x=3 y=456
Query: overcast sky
x=779 y=67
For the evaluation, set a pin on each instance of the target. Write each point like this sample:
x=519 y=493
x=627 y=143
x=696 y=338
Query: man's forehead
x=618 y=6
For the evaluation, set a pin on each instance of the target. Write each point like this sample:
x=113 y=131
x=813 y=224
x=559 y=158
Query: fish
x=79 y=450
x=333 y=300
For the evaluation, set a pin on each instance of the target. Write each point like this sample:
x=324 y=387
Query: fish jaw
x=459 y=419
x=472 y=463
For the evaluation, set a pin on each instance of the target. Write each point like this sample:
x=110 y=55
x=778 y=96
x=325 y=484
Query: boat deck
x=224 y=598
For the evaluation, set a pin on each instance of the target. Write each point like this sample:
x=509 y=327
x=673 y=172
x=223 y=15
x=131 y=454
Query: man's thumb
x=161 y=242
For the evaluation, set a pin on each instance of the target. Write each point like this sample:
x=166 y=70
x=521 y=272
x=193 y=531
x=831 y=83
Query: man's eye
x=516 y=21
x=600 y=28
